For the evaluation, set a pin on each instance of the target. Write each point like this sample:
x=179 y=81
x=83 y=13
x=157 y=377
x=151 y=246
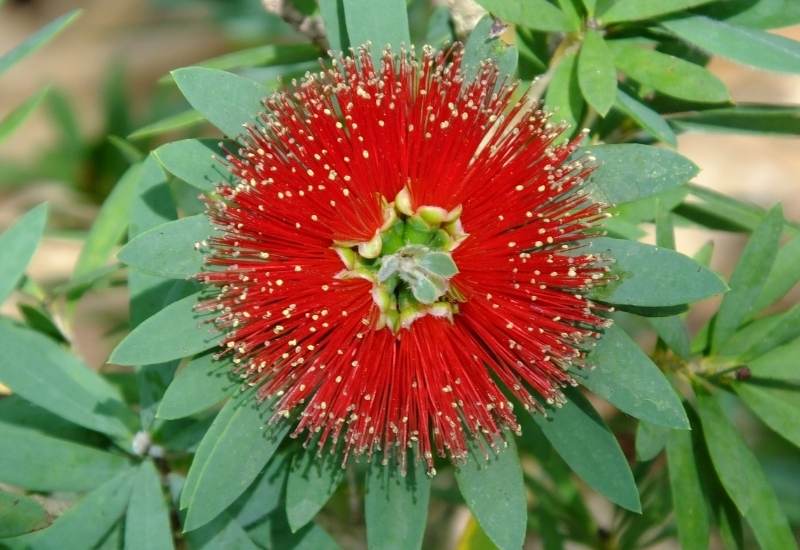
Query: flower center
x=409 y=262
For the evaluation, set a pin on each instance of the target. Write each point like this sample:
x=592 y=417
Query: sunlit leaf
x=597 y=75
x=535 y=14
x=17 y=245
x=379 y=22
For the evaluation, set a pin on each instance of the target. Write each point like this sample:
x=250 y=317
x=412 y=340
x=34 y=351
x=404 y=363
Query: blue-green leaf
x=332 y=12
x=594 y=455
x=597 y=75
x=174 y=332
x=747 y=46
x=635 y=10
x=492 y=486
x=685 y=479
x=37 y=40
x=649 y=120
x=226 y=100
x=312 y=481
x=743 y=119
x=481 y=45
x=629 y=380
x=17 y=245
x=534 y=14
x=650 y=440
x=233 y=452
x=193 y=161
x=202 y=383
x=776 y=406
x=396 y=505
x=380 y=22
x=563 y=98
x=748 y=278
x=169 y=250
x=147 y=525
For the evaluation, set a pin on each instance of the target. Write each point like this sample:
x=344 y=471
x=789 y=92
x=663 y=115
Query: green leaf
x=785 y=273
x=650 y=276
x=194 y=161
x=332 y=12
x=179 y=121
x=312 y=481
x=147 y=523
x=492 y=486
x=40 y=462
x=635 y=10
x=45 y=374
x=563 y=98
x=85 y=524
x=169 y=250
x=630 y=172
x=396 y=505
x=233 y=452
x=743 y=118
x=748 y=278
x=37 y=40
x=685 y=479
x=742 y=477
x=747 y=46
x=763 y=335
x=668 y=74
x=762 y=14
x=201 y=384
x=439 y=263
x=17 y=245
x=718 y=211
x=777 y=406
x=673 y=331
x=110 y=224
x=263 y=56
x=226 y=100
x=483 y=44
x=597 y=75
x=266 y=493
x=222 y=533
x=533 y=14
x=381 y=22
x=595 y=456
x=780 y=363
x=649 y=120
x=15 y=118
x=20 y=514
x=650 y=440
x=174 y=332
x=627 y=378
x=274 y=532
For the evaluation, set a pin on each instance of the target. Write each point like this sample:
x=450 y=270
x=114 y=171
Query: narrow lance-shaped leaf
x=634 y=10
x=563 y=98
x=484 y=44
x=629 y=172
x=147 y=524
x=535 y=14
x=649 y=276
x=312 y=481
x=170 y=250
x=744 y=118
x=649 y=120
x=37 y=40
x=202 y=383
x=193 y=161
x=597 y=75
x=233 y=452
x=747 y=46
x=650 y=440
x=180 y=121
x=785 y=273
x=174 y=332
x=742 y=477
x=396 y=505
x=17 y=245
x=687 y=491
x=775 y=404
x=226 y=100
x=595 y=456
x=380 y=22
x=20 y=114
x=669 y=74
x=629 y=380
x=748 y=278
x=492 y=486
x=332 y=12
x=20 y=514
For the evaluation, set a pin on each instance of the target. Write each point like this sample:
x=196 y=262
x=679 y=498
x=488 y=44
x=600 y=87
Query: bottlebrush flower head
x=399 y=245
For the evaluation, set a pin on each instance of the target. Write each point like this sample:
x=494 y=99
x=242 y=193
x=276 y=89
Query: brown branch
x=311 y=27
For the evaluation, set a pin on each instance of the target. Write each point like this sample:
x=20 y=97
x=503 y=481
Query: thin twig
x=311 y=27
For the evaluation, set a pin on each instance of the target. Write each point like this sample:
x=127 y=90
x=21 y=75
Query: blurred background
x=106 y=76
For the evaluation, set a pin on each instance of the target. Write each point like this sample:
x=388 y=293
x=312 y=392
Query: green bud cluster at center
x=409 y=262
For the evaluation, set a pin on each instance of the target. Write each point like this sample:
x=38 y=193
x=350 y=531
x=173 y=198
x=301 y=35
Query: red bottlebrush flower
x=400 y=244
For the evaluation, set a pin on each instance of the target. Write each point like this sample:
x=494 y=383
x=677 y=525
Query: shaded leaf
x=194 y=161
x=634 y=10
x=224 y=532
x=483 y=44
x=779 y=363
x=396 y=505
x=652 y=277
x=742 y=477
x=777 y=407
x=649 y=120
x=174 y=332
x=312 y=481
x=563 y=98
x=686 y=486
x=17 y=245
x=629 y=380
x=785 y=273
x=748 y=278
x=147 y=523
x=595 y=456
x=534 y=14
x=650 y=440
x=743 y=118
x=492 y=486
x=597 y=75
x=20 y=514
